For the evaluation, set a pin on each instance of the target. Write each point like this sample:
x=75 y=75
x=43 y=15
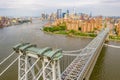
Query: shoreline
x=75 y=36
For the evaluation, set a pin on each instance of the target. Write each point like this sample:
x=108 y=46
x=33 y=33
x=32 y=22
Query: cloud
x=96 y=6
x=111 y=1
x=38 y=4
x=44 y=3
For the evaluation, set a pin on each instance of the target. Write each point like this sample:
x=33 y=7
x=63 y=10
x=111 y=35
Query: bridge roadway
x=82 y=66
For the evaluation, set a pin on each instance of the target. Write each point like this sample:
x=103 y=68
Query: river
x=106 y=68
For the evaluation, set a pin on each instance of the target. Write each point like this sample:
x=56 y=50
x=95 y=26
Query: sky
x=36 y=7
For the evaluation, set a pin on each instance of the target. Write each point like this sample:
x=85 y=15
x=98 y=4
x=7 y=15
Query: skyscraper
x=59 y=13
x=63 y=15
x=67 y=11
x=74 y=11
x=90 y=14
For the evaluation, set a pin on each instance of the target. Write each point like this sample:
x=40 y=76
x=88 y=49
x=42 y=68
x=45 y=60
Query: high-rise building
x=63 y=15
x=74 y=11
x=59 y=13
x=43 y=16
x=68 y=12
x=90 y=14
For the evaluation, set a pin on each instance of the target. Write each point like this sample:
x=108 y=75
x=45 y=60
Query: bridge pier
x=107 y=38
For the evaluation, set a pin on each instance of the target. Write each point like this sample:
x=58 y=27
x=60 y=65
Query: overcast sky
x=35 y=7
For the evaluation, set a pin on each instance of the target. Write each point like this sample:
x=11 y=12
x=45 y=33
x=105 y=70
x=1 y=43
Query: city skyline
x=35 y=8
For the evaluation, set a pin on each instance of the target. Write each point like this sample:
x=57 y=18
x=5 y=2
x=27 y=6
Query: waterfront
x=107 y=66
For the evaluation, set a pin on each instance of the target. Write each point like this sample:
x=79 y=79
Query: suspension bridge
x=44 y=63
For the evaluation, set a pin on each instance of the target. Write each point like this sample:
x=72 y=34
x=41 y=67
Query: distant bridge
x=44 y=63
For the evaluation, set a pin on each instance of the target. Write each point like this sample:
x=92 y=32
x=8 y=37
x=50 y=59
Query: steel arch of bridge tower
x=31 y=58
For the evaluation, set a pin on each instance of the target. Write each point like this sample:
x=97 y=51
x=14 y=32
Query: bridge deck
x=79 y=65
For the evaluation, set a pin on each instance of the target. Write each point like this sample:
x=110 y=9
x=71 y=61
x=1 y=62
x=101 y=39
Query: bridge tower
x=107 y=39
x=52 y=71
x=108 y=34
x=35 y=64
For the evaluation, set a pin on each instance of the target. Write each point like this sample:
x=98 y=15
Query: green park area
x=61 y=29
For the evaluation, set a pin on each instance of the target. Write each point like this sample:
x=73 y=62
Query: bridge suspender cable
x=72 y=51
x=9 y=66
x=6 y=58
x=41 y=72
x=30 y=68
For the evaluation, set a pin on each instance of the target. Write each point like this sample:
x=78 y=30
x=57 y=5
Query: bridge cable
x=46 y=75
x=72 y=51
x=30 y=68
x=6 y=58
x=42 y=71
x=67 y=54
x=9 y=66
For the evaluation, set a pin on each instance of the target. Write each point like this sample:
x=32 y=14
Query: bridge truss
x=81 y=64
x=35 y=64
